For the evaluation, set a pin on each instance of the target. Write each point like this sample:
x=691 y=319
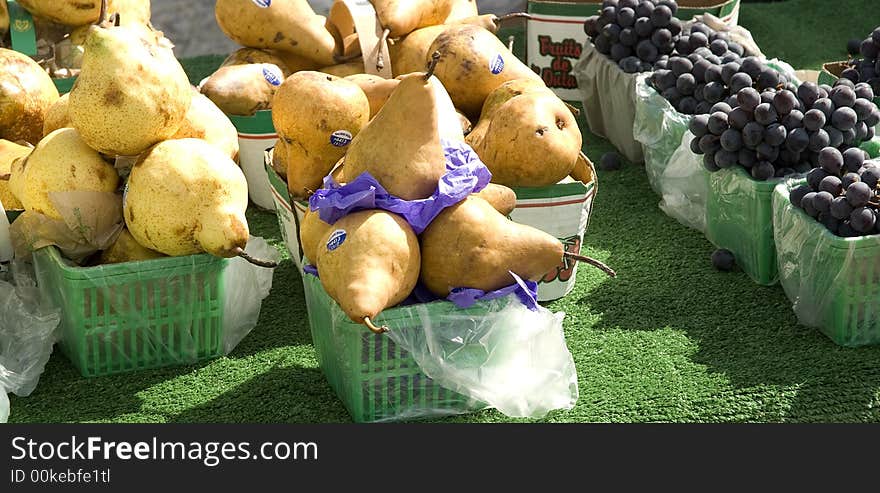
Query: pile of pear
x=182 y=194
x=62 y=25
x=371 y=260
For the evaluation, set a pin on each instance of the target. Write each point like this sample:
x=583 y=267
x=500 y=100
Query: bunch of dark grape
x=842 y=193
x=866 y=69
x=635 y=33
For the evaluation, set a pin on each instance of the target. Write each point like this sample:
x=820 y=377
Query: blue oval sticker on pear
x=340 y=138
x=496 y=66
x=272 y=75
x=336 y=239
x=262 y=3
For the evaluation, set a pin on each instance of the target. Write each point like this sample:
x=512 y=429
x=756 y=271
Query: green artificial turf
x=670 y=339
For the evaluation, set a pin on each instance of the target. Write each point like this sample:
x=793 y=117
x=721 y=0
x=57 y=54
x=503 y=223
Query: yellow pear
x=243 y=89
x=26 y=93
x=472 y=245
x=344 y=69
x=295 y=63
x=368 y=261
x=61 y=162
x=401 y=147
x=462 y=9
x=532 y=141
x=58 y=115
x=317 y=116
x=402 y=17
x=206 y=121
x=9 y=153
x=131 y=92
x=311 y=230
x=410 y=54
x=131 y=12
x=286 y=25
x=502 y=198
x=185 y=197
x=249 y=56
x=126 y=249
x=473 y=63
x=498 y=97
x=583 y=169
x=279 y=159
x=4 y=19
x=377 y=89
x=66 y=12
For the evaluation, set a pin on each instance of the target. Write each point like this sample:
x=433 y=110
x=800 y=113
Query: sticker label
x=496 y=66
x=262 y=3
x=272 y=75
x=336 y=239
x=340 y=138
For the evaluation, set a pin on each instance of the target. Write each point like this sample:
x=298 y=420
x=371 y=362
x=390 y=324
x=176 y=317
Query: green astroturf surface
x=670 y=339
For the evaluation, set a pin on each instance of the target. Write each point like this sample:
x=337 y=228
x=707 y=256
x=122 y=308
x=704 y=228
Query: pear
x=377 y=89
x=185 y=197
x=279 y=159
x=26 y=93
x=249 y=56
x=462 y=9
x=473 y=63
x=243 y=89
x=285 y=25
x=131 y=12
x=344 y=69
x=295 y=63
x=401 y=147
x=501 y=198
x=583 y=169
x=9 y=153
x=206 y=121
x=401 y=17
x=131 y=92
x=368 y=261
x=532 y=141
x=311 y=230
x=410 y=54
x=4 y=19
x=316 y=115
x=66 y=12
x=58 y=115
x=126 y=249
x=61 y=162
x=498 y=97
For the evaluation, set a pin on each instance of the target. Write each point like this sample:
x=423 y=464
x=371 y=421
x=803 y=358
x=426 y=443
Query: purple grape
x=763 y=170
x=844 y=118
x=796 y=194
x=832 y=185
x=814 y=120
x=748 y=98
x=775 y=134
x=858 y=194
x=831 y=160
x=862 y=220
x=765 y=114
x=840 y=208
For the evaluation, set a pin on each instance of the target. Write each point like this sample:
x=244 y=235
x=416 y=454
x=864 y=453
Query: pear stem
x=512 y=15
x=116 y=19
x=259 y=263
x=574 y=111
x=376 y=330
x=435 y=57
x=103 y=15
x=595 y=263
x=380 y=58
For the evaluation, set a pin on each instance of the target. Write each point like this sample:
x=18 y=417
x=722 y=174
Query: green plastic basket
x=739 y=218
x=137 y=315
x=374 y=378
x=833 y=282
x=64 y=85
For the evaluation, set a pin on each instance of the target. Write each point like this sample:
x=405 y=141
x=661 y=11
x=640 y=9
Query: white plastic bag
x=512 y=359
x=27 y=334
x=247 y=286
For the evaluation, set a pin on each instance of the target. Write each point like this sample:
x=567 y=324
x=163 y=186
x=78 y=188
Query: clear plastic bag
x=832 y=282
x=512 y=358
x=608 y=96
x=674 y=171
x=247 y=285
x=27 y=334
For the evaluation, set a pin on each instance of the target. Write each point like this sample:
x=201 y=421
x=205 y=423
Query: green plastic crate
x=374 y=378
x=739 y=217
x=137 y=315
x=833 y=282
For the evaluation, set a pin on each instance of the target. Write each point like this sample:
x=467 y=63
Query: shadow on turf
x=292 y=394
x=745 y=331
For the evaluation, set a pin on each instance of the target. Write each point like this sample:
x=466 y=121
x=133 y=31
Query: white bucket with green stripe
x=555 y=36
x=290 y=213
x=562 y=210
x=256 y=134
